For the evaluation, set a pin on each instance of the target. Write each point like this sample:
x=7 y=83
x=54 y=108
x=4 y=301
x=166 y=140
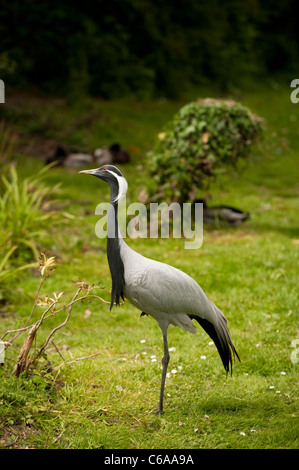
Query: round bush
x=203 y=137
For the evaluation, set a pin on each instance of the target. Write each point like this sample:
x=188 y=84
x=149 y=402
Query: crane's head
x=109 y=173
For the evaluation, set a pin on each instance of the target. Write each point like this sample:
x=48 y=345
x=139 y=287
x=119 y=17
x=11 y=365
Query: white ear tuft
x=122 y=186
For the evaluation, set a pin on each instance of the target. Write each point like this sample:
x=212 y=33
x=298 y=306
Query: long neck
x=116 y=264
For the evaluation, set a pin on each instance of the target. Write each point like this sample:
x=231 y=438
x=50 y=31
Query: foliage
x=22 y=219
x=115 y=48
x=202 y=138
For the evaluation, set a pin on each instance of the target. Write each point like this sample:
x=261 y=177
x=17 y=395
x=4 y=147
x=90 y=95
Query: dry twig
x=24 y=361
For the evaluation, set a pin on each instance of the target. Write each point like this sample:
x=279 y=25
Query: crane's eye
x=104 y=169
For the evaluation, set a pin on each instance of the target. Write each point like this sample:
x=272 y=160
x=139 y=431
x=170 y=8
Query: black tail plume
x=221 y=338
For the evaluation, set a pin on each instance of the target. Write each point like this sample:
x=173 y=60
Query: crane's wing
x=158 y=287
x=171 y=296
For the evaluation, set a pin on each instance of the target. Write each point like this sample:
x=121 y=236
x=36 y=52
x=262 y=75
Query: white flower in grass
x=203 y=357
x=172 y=349
x=119 y=388
x=242 y=433
x=87 y=312
x=282 y=373
x=174 y=371
x=142 y=341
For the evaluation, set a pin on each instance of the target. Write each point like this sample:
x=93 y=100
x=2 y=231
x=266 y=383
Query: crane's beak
x=88 y=172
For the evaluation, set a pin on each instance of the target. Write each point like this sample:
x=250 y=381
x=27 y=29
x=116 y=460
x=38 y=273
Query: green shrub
x=203 y=137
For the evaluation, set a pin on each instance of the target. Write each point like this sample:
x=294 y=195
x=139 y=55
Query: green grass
x=250 y=272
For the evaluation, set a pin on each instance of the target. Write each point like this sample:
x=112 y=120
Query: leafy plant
x=203 y=137
x=7 y=141
x=22 y=220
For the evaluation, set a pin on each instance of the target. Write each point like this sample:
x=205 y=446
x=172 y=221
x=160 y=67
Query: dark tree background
x=111 y=48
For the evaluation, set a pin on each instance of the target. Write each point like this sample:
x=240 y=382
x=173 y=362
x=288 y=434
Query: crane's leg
x=165 y=361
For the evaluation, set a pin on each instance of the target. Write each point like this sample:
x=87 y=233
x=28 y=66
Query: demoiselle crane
x=167 y=294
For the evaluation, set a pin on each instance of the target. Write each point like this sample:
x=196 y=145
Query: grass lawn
x=250 y=272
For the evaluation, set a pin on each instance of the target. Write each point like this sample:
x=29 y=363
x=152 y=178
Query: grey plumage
x=157 y=289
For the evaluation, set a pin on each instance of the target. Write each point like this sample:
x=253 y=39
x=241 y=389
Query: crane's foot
x=157 y=413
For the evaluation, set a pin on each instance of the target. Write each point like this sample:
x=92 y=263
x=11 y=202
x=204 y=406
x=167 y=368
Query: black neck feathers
x=115 y=262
